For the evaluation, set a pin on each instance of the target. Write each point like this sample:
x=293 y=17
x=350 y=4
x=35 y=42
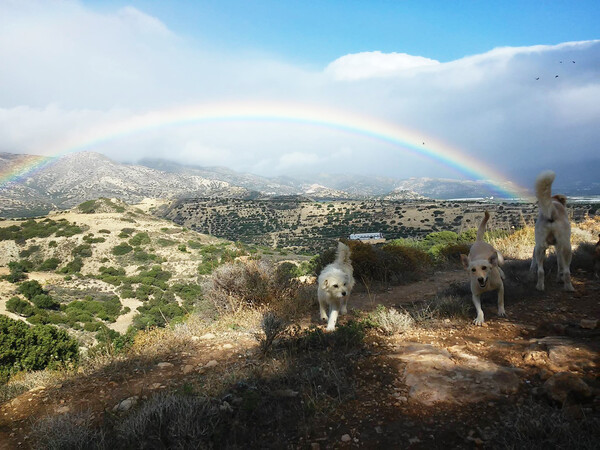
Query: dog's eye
x=484 y=268
x=473 y=270
x=335 y=285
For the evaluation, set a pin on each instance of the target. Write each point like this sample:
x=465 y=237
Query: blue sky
x=317 y=32
x=484 y=78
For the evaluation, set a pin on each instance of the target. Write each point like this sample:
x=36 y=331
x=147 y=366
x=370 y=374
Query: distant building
x=372 y=238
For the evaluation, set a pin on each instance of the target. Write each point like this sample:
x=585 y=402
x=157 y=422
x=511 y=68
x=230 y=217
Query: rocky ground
x=443 y=384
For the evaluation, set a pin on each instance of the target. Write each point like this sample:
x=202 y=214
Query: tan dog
x=335 y=284
x=551 y=228
x=482 y=265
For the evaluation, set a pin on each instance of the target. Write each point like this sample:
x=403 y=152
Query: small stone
x=346 y=438
x=227 y=346
x=126 y=405
x=211 y=363
x=164 y=365
x=207 y=336
x=187 y=369
x=155 y=385
x=62 y=409
x=414 y=440
x=588 y=324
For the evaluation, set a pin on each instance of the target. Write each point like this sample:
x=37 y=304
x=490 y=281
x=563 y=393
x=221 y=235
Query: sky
x=305 y=87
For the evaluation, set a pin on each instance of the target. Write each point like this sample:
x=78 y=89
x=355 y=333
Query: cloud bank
x=70 y=68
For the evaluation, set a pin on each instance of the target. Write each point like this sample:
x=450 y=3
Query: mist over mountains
x=74 y=178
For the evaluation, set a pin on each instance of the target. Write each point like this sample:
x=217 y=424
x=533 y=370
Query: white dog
x=551 y=228
x=482 y=264
x=335 y=283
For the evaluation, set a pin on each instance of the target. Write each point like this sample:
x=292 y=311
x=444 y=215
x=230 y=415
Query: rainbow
x=399 y=137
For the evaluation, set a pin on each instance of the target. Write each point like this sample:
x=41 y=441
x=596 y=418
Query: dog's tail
x=343 y=254
x=481 y=229
x=543 y=192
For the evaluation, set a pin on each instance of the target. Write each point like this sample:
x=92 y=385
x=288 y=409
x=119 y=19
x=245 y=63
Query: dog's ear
x=493 y=259
x=325 y=283
x=465 y=260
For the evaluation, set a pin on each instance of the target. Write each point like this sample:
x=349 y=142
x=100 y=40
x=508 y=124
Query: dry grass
x=25 y=381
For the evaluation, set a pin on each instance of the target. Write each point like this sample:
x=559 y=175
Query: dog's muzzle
x=482 y=281
x=344 y=293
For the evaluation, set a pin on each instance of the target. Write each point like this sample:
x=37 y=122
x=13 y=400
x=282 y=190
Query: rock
x=62 y=409
x=187 y=369
x=378 y=430
x=588 y=324
x=211 y=363
x=566 y=354
x=207 y=336
x=452 y=375
x=164 y=365
x=227 y=346
x=126 y=405
x=565 y=384
x=346 y=438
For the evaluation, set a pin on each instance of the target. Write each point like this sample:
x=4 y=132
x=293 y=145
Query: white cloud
x=360 y=66
x=70 y=69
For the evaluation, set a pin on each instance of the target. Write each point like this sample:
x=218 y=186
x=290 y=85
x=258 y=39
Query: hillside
x=77 y=177
x=302 y=225
x=108 y=256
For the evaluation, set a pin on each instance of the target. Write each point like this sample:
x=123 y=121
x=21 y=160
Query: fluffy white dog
x=551 y=228
x=482 y=265
x=335 y=284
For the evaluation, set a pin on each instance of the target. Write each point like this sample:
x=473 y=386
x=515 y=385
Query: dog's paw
x=478 y=321
x=569 y=288
x=501 y=313
x=330 y=329
x=540 y=287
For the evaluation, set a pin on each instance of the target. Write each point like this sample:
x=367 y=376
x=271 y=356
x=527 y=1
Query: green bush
x=88 y=207
x=139 y=239
x=30 y=289
x=84 y=251
x=20 y=307
x=73 y=266
x=17 y=271
x=49 y=264
x=121 y=249
x=44 y=301
x=33 y=348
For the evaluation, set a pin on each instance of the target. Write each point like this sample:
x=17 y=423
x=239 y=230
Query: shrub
x=236 y=284
x=33 y=348
x=73 y=266
x=139 y=239
x=49 y=264
x=182 y=248
x=88 y=207
x=44 y=301
x=121 y=249
x=17 y=271
x=84 y=251
x=30 y=289
x=20 y=307
x=391 y=321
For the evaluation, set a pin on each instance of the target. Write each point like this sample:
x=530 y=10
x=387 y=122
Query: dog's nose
x=343 y=293
x=480 y=279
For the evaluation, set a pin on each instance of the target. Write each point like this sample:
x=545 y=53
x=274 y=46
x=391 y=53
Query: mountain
x=78 y=177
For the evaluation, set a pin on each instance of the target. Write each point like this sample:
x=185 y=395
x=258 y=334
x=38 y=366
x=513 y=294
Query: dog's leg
x=477 y=302
x=333 y=314
x=539 y=253
x=564 y=254
x=322 y=309
x=344 y=308
x=501 y=311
